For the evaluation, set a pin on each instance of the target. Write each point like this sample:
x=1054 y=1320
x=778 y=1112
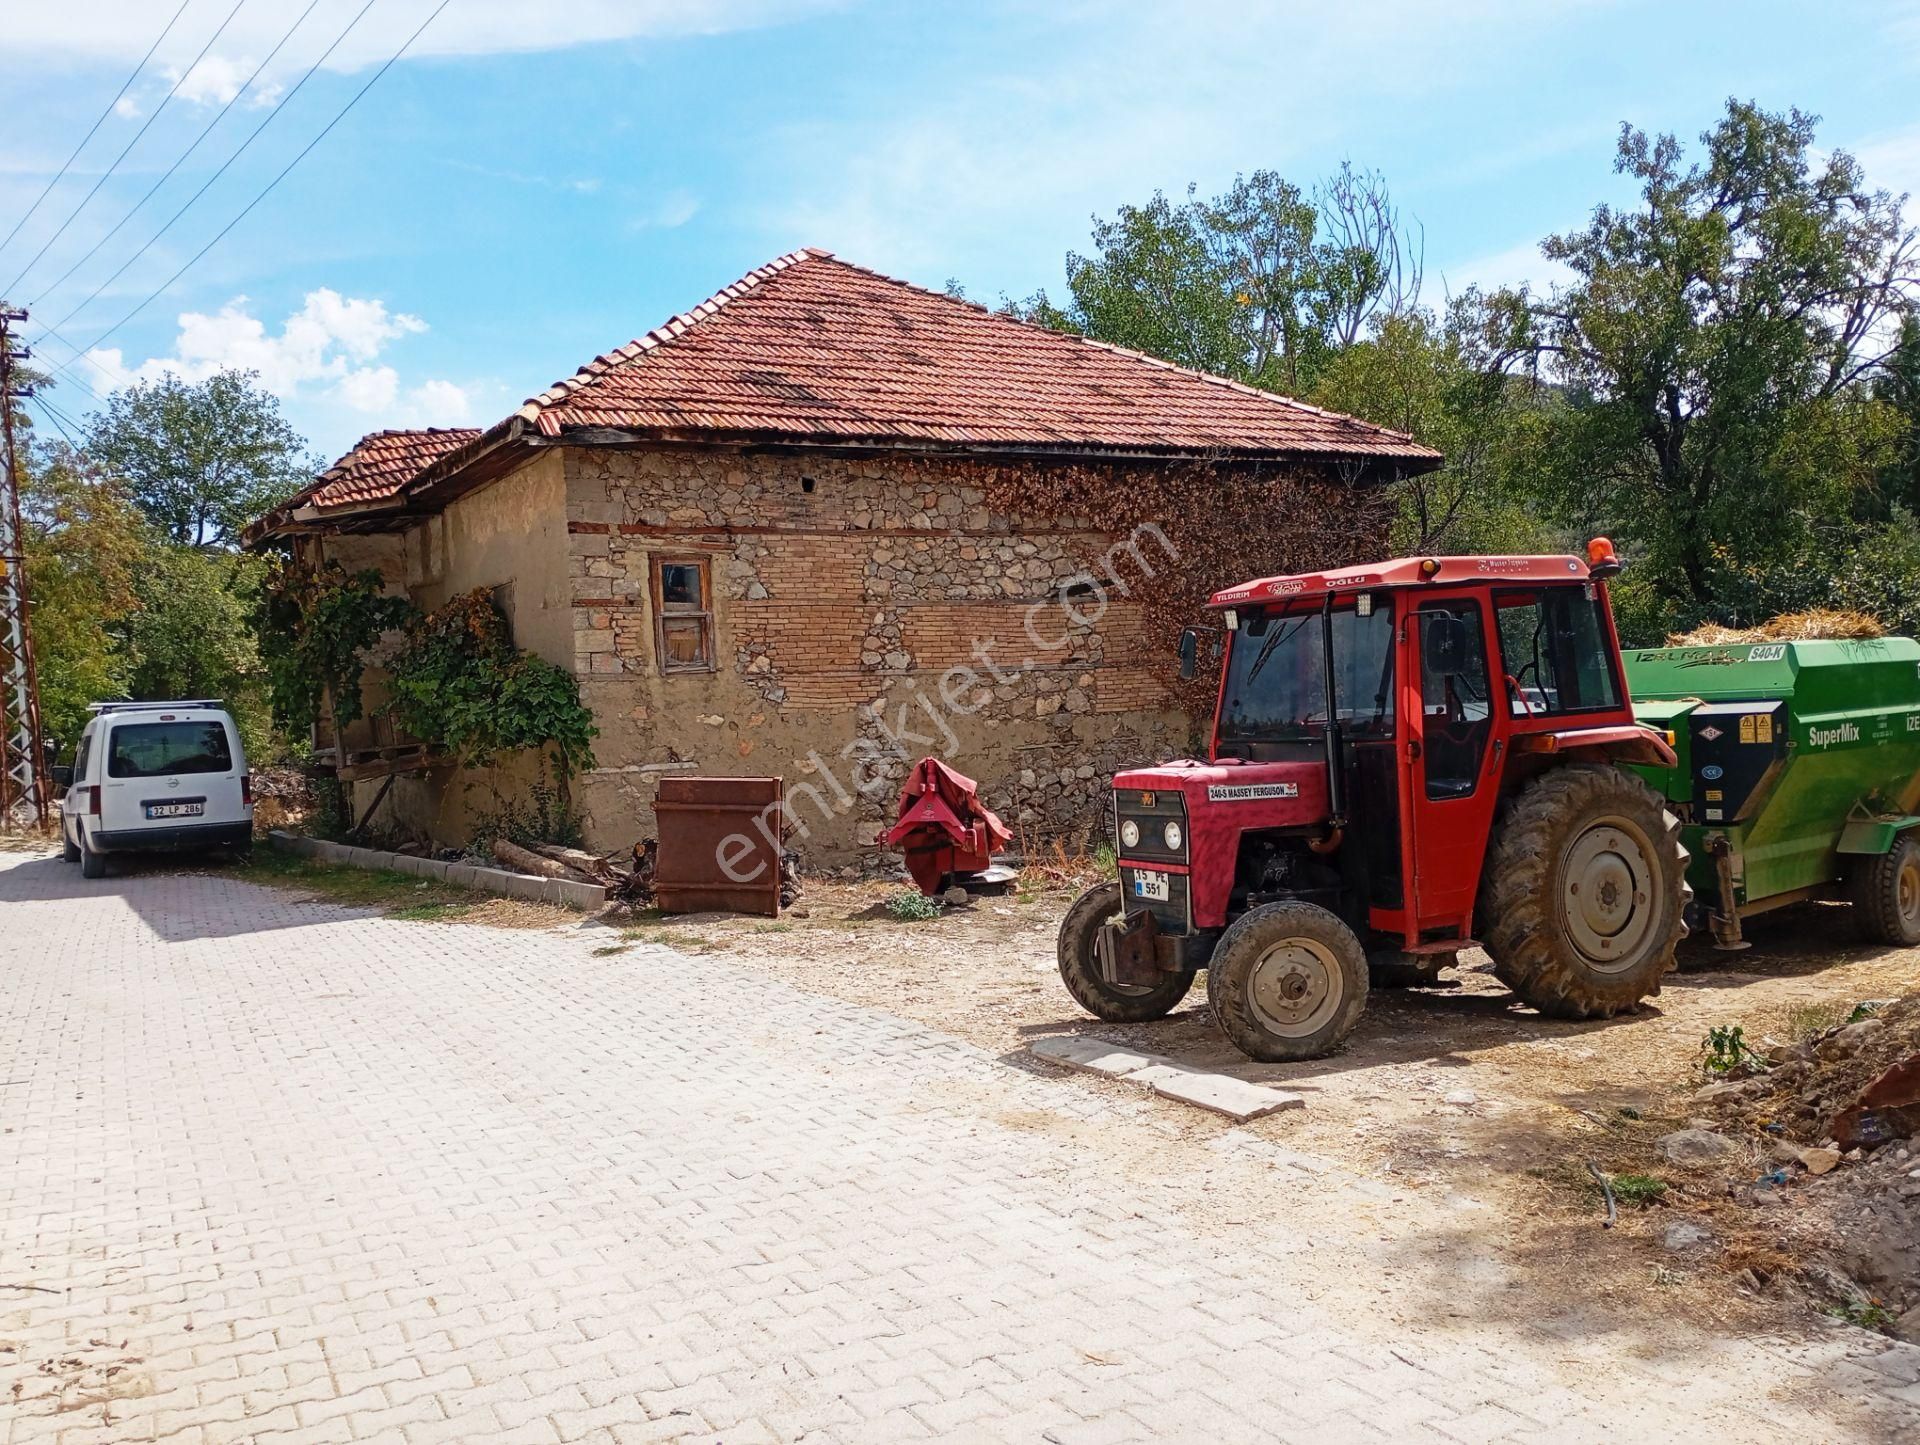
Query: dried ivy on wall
x=1224 y=523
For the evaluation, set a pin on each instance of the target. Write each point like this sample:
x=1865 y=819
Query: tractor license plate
x=1150 y=885
x=176 y=810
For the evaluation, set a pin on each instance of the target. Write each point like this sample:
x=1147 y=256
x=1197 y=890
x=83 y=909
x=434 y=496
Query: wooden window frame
x=662 y=613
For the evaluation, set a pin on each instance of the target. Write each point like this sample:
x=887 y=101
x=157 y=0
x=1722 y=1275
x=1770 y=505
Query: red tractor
x=1407 y=759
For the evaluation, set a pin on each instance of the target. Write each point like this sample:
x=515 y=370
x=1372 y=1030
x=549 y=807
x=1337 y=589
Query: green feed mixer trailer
x=1798 y=775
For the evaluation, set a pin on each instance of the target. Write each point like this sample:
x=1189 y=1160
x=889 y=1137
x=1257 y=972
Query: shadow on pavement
x=182 y=898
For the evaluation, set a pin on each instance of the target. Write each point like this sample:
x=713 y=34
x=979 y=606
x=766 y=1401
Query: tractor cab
x=1377 y=730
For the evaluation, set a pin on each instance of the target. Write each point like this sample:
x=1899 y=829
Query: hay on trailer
x=1821 y=624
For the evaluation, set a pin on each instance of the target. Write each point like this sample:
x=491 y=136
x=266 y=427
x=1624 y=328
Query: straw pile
x=1821 y=624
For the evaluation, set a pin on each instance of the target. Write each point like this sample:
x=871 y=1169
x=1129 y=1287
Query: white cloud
x=668 y=212
x=438 y=403
x=121 y=30
x=331 y=340
x=369 y=388
x=127 y=108
x=215 y=80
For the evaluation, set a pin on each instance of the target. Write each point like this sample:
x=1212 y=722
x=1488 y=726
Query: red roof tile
x=810 y=348
x=378 y=466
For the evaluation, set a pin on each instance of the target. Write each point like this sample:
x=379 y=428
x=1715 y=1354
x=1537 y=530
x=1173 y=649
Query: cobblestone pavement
x=277 y=1171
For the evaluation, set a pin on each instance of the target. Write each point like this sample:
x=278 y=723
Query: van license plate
x=176 y=810
x=1150 y=885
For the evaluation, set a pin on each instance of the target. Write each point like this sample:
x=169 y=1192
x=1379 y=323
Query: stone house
x=822 y=524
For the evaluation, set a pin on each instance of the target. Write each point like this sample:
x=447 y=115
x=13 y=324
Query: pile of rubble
x=1838 y=1113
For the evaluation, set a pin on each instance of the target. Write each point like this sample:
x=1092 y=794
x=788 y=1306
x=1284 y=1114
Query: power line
x=268 y=189
x=128 y=147
x=96 y=126
x=184 y=156
x=54 y=416
x=207 y=184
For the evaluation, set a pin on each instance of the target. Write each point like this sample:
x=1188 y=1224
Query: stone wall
x=867 y=611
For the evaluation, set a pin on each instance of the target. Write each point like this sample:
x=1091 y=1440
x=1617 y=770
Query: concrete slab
x=1237 y=1099
x=1218 y=1093
x=1096 y=1056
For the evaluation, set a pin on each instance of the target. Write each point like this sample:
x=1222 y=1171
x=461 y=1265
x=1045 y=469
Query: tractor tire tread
x=1875 y=890
x=1080 y=965
x=1240 y=947
x=1518 y=933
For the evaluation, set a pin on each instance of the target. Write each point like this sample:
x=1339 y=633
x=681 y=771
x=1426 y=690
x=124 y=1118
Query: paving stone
x=321 y=1168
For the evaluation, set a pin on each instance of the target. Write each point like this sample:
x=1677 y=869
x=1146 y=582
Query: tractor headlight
x=1130 y=834
x=1173 y=836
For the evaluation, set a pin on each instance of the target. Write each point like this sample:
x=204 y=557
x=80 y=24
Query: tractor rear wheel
x=1118 y=1003
x=1287 y=981
x=1886 y=894
x=1582 y=896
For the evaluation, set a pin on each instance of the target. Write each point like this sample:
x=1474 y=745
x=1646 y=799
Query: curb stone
x=588 y=897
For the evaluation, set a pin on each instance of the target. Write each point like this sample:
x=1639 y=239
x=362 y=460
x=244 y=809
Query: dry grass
x=1822 y=624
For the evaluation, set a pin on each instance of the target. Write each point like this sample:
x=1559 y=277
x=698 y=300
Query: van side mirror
x=1189 y=652
x=1444 y=643
x=62 y=775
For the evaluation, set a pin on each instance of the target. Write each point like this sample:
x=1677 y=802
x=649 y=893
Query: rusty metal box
x=719 y=845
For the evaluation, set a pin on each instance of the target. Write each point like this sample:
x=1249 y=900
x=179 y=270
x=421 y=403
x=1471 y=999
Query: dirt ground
x=1459 y=1098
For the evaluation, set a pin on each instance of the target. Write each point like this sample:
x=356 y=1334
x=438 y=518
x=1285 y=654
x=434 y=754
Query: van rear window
x=158 y=750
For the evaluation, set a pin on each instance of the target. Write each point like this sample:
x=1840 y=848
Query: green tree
x=1713 y=345
x=201 y=459
x=193 y=635
x=1897 y=386
x=1264 y=283
x=86 y=545
x=1430 y=375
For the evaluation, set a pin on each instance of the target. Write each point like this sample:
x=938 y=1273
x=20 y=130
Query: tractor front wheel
x=1118 y=1003
x=1287 y=981
x=1581 y=902
x=1886 y=894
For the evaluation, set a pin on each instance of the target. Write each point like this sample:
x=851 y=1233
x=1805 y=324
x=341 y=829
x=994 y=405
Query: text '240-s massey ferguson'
x=1406 y=759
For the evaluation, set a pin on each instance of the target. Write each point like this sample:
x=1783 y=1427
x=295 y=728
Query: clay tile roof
x=378 y=466
x=811 y=348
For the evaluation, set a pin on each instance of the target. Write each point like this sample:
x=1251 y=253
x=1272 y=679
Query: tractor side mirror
x=1444 y=643
x=1189 y=652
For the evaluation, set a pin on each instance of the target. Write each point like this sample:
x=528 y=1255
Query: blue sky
x=534 y=183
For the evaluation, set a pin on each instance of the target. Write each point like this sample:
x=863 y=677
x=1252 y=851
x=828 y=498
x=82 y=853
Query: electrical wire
x=108 y=172
x=185 y=155
x=118 y=96
x=207 y=184
x=54 y=415
x=268 y=189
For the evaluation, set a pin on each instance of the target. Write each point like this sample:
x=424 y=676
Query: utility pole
x=23 y=772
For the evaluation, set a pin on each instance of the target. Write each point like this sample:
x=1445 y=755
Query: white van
x=156 y=775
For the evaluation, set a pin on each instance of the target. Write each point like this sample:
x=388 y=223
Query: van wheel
x=92 y=864
x=1886 y=894
x=1119 y=1003
x=68 y=852
x=1287 y=981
